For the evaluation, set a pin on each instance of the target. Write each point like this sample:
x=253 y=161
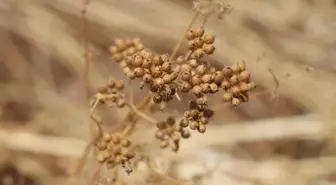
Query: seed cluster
x=190 y=73
x=200 y=43
x=198 y=115
x=170 y=133
x=236 y=84
x=155 y=71
x=112 y=94
x=124 y=48
x=113 y=150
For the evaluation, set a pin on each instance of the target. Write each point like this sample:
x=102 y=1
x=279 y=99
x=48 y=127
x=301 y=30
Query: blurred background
x=284 y=135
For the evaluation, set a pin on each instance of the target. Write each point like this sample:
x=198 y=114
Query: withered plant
x=165 y=76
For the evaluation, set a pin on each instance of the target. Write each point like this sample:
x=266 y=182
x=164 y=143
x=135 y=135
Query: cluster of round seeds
x=200 y=43
x=112 y=150
x=112 y=94
x=124 y=48
x=170 y=133
x=236 y=84
x=198 y=115
x=155 y=71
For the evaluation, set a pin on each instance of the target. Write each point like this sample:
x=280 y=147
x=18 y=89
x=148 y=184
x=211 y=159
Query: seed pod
x=198 y=42
x=191 y=35
x=157 y=60
x=209 y=49
x=107 y=136
x=167 y=78
x=164 y=57
x=185 y=67
x=171 y=120
x=195 y=80
x=157 y=98
x=164 y=144
x=159 y=134
x=125 y=143
x=174 y=75
x=199 y=32
x=180 y=59
x=235 y=90
x=185 y=134
x=197 y=90
x=156 y=71
x=166 y=66
x=197 y=54
x=120 y=103
x=185 y=87
x=147 y=63
x=203 y=120
x=235 y=101
x=206 y=78
x=205 y=87
x=117 y=57
x=208 y=113
x=251 y=86
x=235 y=68
x=131 y=51
x=227 y=97
x=100 y=157
x=227 y=71
x=201 y=128
x=193 y=63
x=137 y=60
x=115 y=139
x=128 y=60
x=244 y=76
x=219 y=77
x=139 y=72
x=214 y=88
x=233 y=80
x=241 y=66
x=192 y=45
x=201 y=69
x=225 y=85
x=201 y=101
x=139 y=47
x=193 y=125
x=243 y=87
x=186 y=75
x=120 y=43
x=209 y=39
x=130 y=75
x=147 y=54
x=147 y=78
x=184 y=123
x=114 y=49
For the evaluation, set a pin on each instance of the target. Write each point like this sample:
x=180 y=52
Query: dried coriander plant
x=165 y=76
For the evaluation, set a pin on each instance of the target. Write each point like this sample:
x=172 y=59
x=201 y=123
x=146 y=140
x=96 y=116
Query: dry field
x=55 y=54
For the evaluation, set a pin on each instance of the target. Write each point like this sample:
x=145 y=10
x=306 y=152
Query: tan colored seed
x=137 y=61
x=214 y=87
x=197 y=54
x=107 y=136
x=147 y=78
x=235 y=101
x=147 y=63
x=206 y=78
x=191 y=35
x=125 y=143
x=227 y=97
x=193 y=125
x=244 y=76
x=166 y=66
x=201 y=128
x=209 y=49
x=243 y=87
x=164 y=144
x=199 y=32
x=195 y=80
x=251 y=86
x=209 y=39
x=233 y=80
x=139 y=72
x=185 y=87
x=193 y=63
x=201 y=69
x=225 y=85
x=234 y=90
